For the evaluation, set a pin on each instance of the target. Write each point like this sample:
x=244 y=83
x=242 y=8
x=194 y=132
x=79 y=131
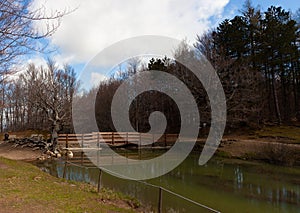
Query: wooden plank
x=82 y=149
x=96 y=138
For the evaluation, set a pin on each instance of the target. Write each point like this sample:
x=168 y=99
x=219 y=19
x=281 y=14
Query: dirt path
x=7 y=150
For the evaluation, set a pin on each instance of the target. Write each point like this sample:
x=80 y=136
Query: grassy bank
x=290 y=134
x=24 y=188
x=279 y=145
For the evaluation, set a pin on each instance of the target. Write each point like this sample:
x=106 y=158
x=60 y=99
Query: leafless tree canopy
x=51 y=90
x=39 y=99
x=18 y=34
x=42 y=93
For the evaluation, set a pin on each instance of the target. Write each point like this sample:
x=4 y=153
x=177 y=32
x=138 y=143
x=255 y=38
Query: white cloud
x=97 y=24
x=96 y=78
x=37 y=61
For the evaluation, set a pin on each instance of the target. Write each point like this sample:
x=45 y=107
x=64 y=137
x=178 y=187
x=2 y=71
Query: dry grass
x=24 y=188
x=281 y=133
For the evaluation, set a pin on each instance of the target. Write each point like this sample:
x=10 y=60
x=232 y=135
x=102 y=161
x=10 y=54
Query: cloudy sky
x=96 y=24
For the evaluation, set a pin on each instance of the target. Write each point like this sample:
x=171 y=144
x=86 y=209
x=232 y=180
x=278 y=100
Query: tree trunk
x=54 y=134
x=276 y=103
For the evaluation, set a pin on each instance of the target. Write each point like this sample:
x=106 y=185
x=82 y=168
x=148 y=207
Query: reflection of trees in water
x=89 y=175
x=238 y=179
x=50 y=167
x=243 y=182
x=276 y=193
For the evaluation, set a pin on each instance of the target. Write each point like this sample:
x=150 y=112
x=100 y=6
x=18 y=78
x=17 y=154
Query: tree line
x=21 y=95
x=255 y=54
x=39 y=99
x=258 y=52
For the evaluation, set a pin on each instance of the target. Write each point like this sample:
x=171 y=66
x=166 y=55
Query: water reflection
x=238 y=179
x=226 y=186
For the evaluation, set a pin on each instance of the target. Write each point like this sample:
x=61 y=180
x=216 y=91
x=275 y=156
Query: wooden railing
x=114 y=139
x=81 y=141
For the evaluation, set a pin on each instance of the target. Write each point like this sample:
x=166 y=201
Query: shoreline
x=25 y=188
x=239 y=147
x=7 y=150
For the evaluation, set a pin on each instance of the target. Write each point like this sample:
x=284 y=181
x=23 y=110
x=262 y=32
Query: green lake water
x=223 y=184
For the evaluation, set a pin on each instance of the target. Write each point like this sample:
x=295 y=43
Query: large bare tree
x=51 y=89
x=19 y=35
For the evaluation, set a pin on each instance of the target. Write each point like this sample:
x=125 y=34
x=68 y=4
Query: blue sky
x=236 y=5
x=98 y=24
x=288 y=4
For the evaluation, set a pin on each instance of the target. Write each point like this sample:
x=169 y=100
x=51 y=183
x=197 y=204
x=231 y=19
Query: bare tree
x=18 y=34
x=51 y=90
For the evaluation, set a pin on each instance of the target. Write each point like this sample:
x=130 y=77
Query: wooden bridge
x=114 y=139
x=94 y=142
x=80 y=142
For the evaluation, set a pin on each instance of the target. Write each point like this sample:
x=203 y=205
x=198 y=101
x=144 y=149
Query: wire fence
x=161 y=191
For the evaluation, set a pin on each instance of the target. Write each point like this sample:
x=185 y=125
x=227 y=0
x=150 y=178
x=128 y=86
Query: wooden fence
x=115 y=139
x=79 y=142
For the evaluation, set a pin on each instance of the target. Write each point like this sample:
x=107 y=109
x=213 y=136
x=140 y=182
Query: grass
x=24 y=188
x=222 y=154
x=289 y=133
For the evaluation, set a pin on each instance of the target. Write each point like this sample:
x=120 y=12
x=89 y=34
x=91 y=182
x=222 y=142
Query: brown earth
x=7 y=150
x=239 y=147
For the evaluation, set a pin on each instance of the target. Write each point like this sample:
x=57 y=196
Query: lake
x=227 y=185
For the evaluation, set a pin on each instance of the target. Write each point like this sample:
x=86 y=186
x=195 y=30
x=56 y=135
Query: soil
x=7 y=150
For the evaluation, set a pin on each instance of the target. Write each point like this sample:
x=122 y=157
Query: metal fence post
x=65 y=169
x=99 y=181
x=67 y=141
x=159 y=200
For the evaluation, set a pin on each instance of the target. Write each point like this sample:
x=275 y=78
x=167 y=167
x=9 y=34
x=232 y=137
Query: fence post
x=165 y=140
x=99 y=180
x=65 y=169
x=98 y=140
x=159 y=200
x=98 y=147
x=67 y=141
x=82 y=138
x=140 y=146
x=140 y=140
x=153 y=140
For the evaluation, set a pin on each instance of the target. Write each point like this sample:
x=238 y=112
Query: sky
x=97 y=24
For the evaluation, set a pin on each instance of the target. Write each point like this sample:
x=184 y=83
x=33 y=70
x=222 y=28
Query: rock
x=42 y=158
x=70 y=154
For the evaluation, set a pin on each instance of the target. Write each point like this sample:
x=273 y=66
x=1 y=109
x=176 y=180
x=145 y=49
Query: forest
x=256 y=55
